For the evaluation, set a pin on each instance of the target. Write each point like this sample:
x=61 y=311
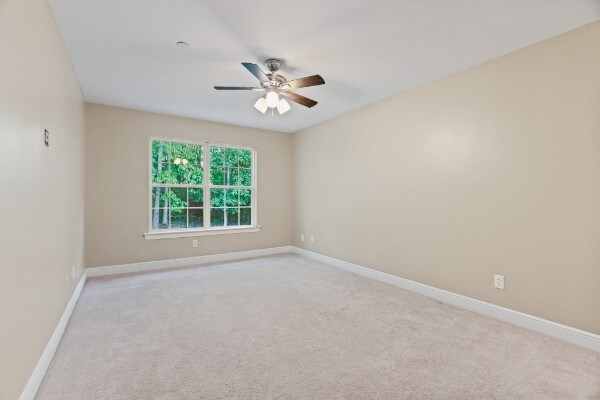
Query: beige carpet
x=287 y=327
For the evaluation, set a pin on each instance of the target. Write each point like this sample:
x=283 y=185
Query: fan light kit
x=277 y=87
x=272 y=99
x=178 y=161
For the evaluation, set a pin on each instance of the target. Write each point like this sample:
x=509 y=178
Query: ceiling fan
x=277 y=86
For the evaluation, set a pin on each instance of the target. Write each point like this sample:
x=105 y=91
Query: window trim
x=206 y=186
x=172 y=233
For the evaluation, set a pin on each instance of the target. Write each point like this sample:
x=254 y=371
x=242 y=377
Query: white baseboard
x=184 y=262
x=566 y=333
x=39 y=371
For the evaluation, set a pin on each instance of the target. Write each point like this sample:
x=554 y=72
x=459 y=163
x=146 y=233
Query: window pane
x=216 y=156
x=178 y=218
x=245 y=216
x=217 y=176
x=245 y=158
x=231 y=157
x=232 y=216
x=160 y=156
x=217 y=197
x=196 y=197
x=231 y=176
x=245 y=197
x=217 y=217
x=195 y=174
x=245 y=177
x=178 y=153
x=195 y=154
x=160 y=218
x=178 y=174
x=160 y=173
x=178 y=197
x=231 y=198
x=196 y=218
x=163 y=194
x=160 y=151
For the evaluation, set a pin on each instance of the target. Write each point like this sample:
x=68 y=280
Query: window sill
x=200 y=232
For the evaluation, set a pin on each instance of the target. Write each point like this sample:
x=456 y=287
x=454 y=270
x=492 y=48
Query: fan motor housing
x=275 y=80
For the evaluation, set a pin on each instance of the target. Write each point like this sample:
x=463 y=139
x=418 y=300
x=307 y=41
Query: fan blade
x=256 y=71
x=305 y=101
x=239 y=88
x=304 y=82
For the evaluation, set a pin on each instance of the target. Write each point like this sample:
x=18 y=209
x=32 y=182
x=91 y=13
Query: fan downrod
x=275 y=80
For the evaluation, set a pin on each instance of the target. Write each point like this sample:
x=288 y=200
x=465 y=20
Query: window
x=201 y=187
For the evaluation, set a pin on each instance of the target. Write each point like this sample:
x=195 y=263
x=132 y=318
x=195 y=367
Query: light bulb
x=272 y=99
x=261 y=105
x=283 y=106
x=177 y=161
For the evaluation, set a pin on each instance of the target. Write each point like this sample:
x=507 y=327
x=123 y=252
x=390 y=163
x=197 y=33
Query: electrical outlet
x=312 y=238
x=73 y=272
x=302 y=237
x=194 y=243
x=499 y=281
x=46 y=138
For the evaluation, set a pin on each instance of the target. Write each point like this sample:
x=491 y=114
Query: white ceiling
x=124 y=51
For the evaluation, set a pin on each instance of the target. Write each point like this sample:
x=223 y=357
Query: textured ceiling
x=124 y=51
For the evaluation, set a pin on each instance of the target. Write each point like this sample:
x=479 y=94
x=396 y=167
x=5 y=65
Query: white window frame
x=206 y=187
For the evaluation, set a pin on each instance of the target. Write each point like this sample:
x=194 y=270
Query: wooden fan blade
x=305 y=101
x=256 y=71
x=304 y=82
x=239 y=88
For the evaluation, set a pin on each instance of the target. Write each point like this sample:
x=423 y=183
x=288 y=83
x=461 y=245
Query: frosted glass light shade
x=283 y=106
x=261 y=105
x=272 y=99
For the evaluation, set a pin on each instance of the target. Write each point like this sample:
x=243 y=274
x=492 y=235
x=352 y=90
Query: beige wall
x=41 y=189
x=116 y=211
x=492 y=170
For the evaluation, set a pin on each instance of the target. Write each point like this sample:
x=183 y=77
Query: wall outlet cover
x=499 y=281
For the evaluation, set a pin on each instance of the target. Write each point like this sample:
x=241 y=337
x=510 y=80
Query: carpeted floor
x=287 y=327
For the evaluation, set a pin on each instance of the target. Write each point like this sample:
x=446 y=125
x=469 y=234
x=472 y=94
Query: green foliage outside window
x=175 y=163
